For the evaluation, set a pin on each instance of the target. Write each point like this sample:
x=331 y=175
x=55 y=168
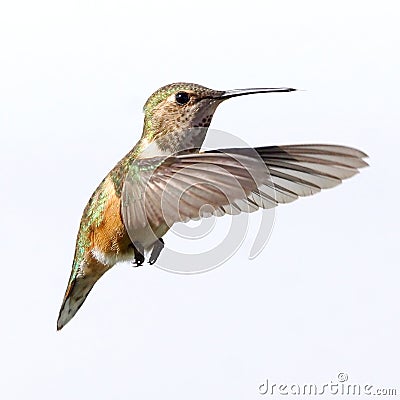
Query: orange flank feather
x=108 y=243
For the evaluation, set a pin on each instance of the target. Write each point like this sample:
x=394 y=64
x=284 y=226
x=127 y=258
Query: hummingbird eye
x=182 y=98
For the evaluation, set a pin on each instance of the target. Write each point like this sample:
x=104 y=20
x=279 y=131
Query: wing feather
x=231 y=181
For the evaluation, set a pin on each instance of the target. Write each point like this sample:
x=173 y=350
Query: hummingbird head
x=178 y=115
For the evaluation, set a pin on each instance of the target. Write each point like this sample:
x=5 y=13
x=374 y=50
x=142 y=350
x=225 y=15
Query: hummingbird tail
x=75 y=295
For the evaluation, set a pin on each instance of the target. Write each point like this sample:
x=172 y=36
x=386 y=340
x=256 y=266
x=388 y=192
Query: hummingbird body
x=166 y=179
x=102 y=239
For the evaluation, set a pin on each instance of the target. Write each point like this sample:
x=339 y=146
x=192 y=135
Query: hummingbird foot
x=139 y=254
x=158 y=246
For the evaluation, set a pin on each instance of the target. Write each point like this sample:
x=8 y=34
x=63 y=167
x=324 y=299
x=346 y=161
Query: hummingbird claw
x=139 y=254
x=158 y=246
x=137 y=263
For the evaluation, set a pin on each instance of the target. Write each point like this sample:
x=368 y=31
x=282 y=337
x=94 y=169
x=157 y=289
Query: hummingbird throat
x=188 y=140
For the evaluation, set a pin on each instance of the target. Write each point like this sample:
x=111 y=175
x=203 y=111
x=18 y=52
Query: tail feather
x=75 y=295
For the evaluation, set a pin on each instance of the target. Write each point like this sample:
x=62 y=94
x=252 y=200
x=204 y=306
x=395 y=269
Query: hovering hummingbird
x=165 y=179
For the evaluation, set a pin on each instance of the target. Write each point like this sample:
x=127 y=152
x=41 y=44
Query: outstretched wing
x=229 y=181
x=303 y=170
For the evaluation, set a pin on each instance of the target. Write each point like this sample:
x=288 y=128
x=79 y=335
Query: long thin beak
x=241 y=92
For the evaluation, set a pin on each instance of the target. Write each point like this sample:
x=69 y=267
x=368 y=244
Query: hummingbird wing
x=303 y=170
x=229 y=181
x=161 y=191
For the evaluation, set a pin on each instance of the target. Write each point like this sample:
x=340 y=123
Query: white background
x=321 y=299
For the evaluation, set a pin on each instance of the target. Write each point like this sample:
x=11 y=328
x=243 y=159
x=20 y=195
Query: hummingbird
x=166 y=178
